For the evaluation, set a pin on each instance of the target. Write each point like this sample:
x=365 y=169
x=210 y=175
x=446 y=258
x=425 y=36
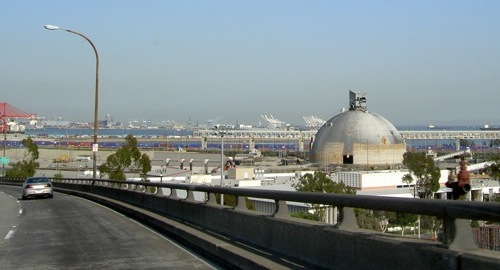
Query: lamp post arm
x=87 y=39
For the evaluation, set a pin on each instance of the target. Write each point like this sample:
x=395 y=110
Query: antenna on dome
x=357 y=101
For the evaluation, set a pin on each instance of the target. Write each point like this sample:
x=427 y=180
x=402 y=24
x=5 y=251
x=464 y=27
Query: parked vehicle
x=37 y=187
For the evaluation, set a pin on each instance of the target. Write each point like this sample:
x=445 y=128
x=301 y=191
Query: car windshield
x=36 y=180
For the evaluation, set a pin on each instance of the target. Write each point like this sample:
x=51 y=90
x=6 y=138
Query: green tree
x=432 y=225
x=371 y=219
x=319 y=182
x=465 y=142
x=425 y=170
x=493 y=169
x=144 y=164
x=306 y=215
x=127 y=156
x=401 y=219
x=495 y=142
x=27 y=166
x=230 y=200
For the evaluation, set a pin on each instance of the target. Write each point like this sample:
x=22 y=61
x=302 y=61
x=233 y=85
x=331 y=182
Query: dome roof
x=358 y=126
x=358 y=136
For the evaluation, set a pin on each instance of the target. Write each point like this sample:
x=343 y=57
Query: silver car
x=37 y=187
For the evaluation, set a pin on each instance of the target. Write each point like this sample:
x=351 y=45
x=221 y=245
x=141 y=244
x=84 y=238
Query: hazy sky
x=420 y=62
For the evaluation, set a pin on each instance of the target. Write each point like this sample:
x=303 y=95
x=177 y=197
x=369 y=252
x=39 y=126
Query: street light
x=221 y=132
x=222 y=165
x=96 y=124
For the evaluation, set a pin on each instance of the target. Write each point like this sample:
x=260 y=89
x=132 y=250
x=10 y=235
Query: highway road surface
x=68 y=232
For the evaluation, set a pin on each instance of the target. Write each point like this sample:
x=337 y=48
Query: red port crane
x=8 y=111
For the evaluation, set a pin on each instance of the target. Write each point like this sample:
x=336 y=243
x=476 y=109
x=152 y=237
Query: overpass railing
x=197 y=204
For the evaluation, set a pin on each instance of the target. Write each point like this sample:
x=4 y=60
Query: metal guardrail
x=455 y=214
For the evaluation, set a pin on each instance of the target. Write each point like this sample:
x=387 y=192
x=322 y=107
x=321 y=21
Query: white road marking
x=9 y=234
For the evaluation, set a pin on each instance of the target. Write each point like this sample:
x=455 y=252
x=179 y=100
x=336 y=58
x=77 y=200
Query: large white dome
x=358 y=137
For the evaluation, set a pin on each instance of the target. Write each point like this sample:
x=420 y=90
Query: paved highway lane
x=68 y=232
x=9 y=216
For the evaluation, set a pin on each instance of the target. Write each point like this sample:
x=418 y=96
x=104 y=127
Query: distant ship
x=487 y=127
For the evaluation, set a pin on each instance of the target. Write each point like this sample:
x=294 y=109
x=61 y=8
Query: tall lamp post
x=222 y=165
x=221 y=133
x=96 y=104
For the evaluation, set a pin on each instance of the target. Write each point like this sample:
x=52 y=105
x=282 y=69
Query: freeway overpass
x=264 y=139
x=252 y=240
